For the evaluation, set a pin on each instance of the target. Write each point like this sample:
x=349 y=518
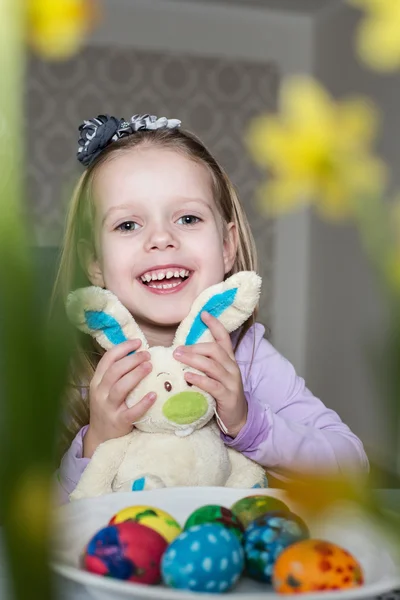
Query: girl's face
x=159 y=235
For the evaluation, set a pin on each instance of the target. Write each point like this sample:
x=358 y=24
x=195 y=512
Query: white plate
x=80 y=520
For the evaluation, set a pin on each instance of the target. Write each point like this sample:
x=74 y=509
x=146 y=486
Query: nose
x=185 y=408
x=160 y=238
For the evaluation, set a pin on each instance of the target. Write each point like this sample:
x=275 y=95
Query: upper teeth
x=158 y=275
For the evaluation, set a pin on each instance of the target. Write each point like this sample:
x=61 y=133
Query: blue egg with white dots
x=204 y=558
x=266 y=537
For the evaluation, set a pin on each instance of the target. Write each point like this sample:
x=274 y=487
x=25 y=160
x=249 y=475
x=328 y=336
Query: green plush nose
x=185 y=407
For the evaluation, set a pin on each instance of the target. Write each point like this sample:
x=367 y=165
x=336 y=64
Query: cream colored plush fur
x=177 y=443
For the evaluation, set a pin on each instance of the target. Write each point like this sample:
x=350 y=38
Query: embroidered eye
x=187 y=382
x=168 y=386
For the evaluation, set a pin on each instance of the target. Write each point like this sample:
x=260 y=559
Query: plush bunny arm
x=232 y=302
x=99 y=475
x=100 y=313
x=245 y=473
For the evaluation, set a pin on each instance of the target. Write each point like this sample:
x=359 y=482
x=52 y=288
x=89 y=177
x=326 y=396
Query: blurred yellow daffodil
x=317 y=492
x=378 y=36
x=57 y=28
x=316 y=150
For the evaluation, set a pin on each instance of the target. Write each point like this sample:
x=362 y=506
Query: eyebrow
x=195 y=200
x=129 y=207
x=163 y=373
x=115 y=209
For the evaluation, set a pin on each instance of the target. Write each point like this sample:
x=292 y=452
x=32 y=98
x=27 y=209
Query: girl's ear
x=231 y=302
x=100 y=313
x=90 y=264
x=230 y=246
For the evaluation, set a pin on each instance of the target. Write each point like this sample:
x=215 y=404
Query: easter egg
x=266 y=538
x=127 y=551
x=314 y=565
x=219 y=515
x=156 y=519
x=249 y=508
x=205 y=558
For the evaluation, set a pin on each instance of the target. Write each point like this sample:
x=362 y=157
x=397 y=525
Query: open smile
x=166 y=280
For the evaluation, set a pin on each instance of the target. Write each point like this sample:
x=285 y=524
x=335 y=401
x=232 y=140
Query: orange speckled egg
x=315 y=565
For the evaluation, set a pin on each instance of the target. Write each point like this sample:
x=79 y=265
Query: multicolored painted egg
x=127 y=551
x=205 y=558
x=315 y=565
x=217 y=514
x=156 y=519
x=266 y=538
x=250 y=508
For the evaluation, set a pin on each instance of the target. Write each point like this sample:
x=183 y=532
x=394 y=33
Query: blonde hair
x=80 y=226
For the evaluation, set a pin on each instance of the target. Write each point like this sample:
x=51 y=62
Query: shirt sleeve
x=288 y=428
x=71 y=468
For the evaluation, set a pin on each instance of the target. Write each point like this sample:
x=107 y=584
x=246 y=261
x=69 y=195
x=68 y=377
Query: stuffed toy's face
x=179 y=407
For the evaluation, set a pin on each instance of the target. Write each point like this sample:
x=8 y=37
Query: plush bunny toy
x=177 y=443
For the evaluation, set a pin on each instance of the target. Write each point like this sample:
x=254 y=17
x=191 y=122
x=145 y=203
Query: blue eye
x=188 y=220
x=128 y=226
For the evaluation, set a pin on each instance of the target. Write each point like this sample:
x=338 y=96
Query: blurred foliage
x=34 y=349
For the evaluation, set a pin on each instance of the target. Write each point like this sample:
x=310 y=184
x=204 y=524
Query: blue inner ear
x=111 y=328
x=215 y=306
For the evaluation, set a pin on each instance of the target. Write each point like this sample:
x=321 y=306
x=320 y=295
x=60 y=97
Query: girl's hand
x=222 y=377
x=116 y=375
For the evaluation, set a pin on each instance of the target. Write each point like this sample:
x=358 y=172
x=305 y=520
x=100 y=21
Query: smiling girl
x=155 y=220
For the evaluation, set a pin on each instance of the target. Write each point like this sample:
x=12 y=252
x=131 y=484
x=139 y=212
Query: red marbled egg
x=128 y=551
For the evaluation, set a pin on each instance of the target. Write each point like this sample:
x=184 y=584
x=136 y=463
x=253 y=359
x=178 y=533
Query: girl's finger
x=218 y=332
x=113 y=355
x=211 y=350
x=214 y=387
x=120 y=368
x=207 y=365
x=124 y=386
x=137 y=412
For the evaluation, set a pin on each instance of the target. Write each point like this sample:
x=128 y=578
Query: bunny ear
x=231 y=302
x=100 y=313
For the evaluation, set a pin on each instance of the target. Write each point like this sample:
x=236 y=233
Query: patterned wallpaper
x=213 y=97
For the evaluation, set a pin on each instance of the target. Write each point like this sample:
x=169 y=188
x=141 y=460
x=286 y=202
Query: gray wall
x=345 y=308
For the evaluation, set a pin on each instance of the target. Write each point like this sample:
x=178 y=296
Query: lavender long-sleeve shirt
x=287 y=427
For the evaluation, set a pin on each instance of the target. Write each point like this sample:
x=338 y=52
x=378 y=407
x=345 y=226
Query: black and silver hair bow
x=97 y=133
